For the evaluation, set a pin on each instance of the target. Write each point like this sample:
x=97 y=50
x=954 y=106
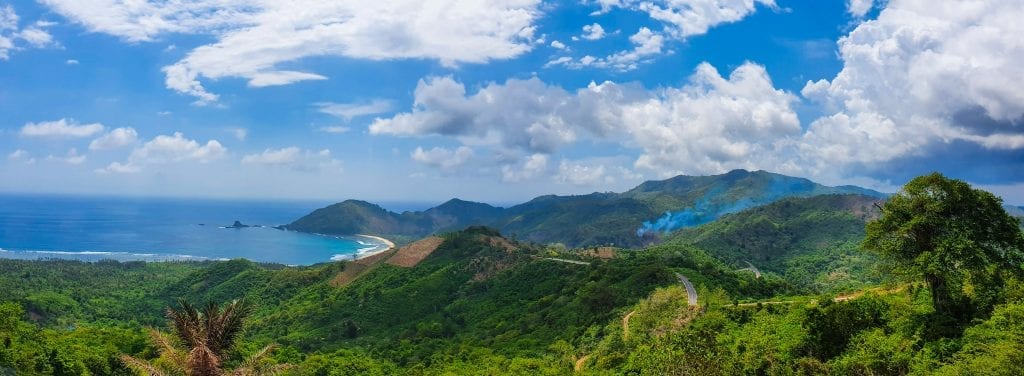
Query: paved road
x=691 y=293
x=751 y=267
x=566 y=261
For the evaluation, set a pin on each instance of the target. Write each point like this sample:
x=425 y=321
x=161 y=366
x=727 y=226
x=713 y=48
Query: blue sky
x=502 y=100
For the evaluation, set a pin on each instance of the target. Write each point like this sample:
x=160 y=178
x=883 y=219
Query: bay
x=152 y=229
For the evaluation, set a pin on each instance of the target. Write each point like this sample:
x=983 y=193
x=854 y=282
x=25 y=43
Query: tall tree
x=958 y=239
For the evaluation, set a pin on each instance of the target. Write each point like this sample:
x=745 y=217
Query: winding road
x=751 y=267
x=566 y=261
x=691 y=293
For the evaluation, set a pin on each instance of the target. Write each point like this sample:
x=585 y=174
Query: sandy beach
x=384 y=245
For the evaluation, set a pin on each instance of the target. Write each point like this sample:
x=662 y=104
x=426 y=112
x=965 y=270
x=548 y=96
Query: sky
x=502 y=100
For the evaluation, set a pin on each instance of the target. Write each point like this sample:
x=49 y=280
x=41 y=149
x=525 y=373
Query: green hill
x=813 y=242
x=634 y=218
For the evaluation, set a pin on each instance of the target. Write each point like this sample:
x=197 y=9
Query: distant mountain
x=639 y=216
x=814 y=242
x=1016 y=211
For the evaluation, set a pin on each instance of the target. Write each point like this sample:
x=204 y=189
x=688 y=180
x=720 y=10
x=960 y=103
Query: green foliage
x=812 y=242
x=959 y=239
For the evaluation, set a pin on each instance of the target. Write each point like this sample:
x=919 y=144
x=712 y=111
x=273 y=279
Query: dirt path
x=580 y=363
x=839 y=298
x=625 y=325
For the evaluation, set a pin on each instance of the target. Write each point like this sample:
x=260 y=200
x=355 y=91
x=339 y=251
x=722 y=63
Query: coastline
x=380 y=245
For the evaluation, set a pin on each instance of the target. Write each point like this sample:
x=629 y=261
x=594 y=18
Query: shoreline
x=382 y=245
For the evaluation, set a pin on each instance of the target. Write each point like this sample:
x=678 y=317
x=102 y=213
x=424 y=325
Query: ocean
x=158 y=229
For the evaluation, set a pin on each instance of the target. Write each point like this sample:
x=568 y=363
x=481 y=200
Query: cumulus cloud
x=687 y=18
x=859 y=8
x=66 y=128
x=714 y=123
x=294 y=158
x=349 y=111
x=167 y=149
x=593 y=31
x=528 y=116
x=646 y=45
x=443 y=159
x=558 y=45
x=922 y=75
x=581 y=174
x=254 y=39
x=533 y=167
x=116 y=138
x=708 y=125
x=33 y=36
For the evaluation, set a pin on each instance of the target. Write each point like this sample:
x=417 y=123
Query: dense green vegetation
x=484 y=305
x=652 y=209
x=812 y=243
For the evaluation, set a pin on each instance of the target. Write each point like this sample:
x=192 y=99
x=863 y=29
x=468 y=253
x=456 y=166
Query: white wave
x=112 y=254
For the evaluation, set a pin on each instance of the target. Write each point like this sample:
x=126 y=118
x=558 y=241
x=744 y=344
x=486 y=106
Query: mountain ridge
x=633 y=218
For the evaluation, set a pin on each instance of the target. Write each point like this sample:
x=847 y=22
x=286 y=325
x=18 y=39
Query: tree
x=958 y=239
x=207 y=336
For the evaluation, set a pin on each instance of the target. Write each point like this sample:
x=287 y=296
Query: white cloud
x=255 y=38
x=581 y=174
x=337 y=129
x=34 y=36
x=909 y=75
x=21 y=155
x=61 y=128
x=240 y=133
x=558 y=45
x=72 y=157
x=272 y=157
x=116 y=138
x=859 y=8
x=71 y=62
x=167 y=149
x=522 y=114
x=349 y=111
x=534 y=167
x=687 y=18
x=714 y=123
x=163 y=148
x=294 y=158
x=709 y=125
x=646 y=44
x=593 y=31
x=448 y=161
x=118 y=168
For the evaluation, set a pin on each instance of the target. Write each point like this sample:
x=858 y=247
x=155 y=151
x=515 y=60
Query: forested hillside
x=842 y=292
x=634 y=218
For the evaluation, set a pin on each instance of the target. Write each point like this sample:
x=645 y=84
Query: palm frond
x=203 y=362
x=225 y=326
x=166 y=348
x=188 y=324
x=142 y=366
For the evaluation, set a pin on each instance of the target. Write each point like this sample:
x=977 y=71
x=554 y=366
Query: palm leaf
x=142 y=366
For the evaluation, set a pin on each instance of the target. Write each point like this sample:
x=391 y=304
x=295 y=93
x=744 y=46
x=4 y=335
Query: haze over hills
x=633 y=218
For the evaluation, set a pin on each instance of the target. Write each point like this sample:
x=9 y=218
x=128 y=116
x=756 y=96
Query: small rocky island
x=238 y=224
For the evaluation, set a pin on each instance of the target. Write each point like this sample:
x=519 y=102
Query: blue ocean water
x=124 y=228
